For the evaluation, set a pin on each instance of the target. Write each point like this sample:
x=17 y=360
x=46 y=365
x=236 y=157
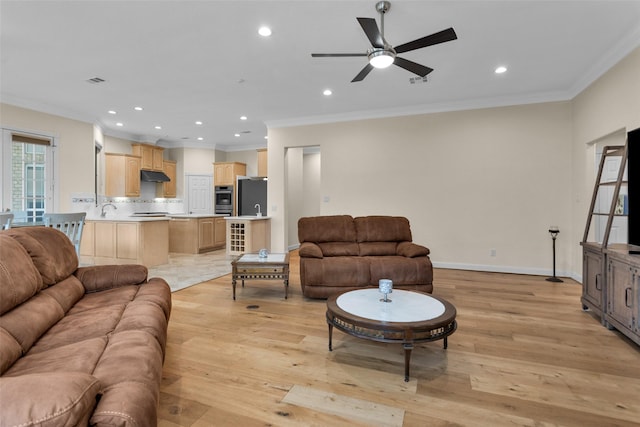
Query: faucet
x=257 y=205
x=103 y=213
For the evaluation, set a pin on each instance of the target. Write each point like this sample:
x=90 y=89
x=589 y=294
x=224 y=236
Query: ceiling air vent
x=95 y=80
x=417 y=80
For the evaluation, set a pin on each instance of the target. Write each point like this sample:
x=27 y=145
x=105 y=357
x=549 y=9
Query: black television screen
x=633 y=178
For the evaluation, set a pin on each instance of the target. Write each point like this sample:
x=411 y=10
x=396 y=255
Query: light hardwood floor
x=524 y=354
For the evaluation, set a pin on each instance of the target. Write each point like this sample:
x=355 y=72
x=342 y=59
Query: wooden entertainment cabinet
x=610 y=274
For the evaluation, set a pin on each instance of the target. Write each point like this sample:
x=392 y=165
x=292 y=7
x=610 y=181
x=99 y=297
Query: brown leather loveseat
x=78 y=346
x=340 y=253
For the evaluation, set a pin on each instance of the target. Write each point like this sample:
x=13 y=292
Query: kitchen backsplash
x=147 y=202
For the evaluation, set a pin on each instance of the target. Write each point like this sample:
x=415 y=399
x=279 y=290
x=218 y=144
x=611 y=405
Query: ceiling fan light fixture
x=381 y=58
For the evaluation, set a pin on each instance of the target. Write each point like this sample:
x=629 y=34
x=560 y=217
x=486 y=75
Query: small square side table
x=251 y=266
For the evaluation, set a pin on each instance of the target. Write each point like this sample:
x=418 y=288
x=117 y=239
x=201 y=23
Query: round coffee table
x=410 y=317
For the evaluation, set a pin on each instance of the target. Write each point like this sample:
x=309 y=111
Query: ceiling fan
x=382 y=54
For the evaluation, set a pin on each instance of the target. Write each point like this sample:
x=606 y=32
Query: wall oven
x=224 y=200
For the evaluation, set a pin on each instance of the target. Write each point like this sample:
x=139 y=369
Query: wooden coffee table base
x=405 y=333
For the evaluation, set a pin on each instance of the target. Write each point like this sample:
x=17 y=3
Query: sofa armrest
x=412 y=250
x=310 y=250
x=48 y=399
x=102 y=277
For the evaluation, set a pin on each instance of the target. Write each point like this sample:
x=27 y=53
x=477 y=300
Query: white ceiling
x=184 y=61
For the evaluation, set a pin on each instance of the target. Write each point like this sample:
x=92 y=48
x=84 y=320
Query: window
x=27 y=171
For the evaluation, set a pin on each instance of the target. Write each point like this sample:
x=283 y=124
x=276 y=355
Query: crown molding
x=472 y=104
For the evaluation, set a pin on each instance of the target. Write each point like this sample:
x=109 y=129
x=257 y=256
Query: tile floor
x=184 y=270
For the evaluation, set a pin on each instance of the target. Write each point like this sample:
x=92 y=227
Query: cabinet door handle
x=626 y=297
x=598 y=284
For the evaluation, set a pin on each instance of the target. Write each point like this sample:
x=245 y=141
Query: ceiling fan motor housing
x=383 y=6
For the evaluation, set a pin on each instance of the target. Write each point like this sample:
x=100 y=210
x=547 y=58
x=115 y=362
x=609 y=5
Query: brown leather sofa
x=78 y=346
x=340 y=253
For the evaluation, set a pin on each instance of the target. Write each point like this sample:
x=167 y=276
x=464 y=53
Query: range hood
x=153 y=176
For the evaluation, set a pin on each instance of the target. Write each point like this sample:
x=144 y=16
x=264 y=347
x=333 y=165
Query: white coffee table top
x=405 y=306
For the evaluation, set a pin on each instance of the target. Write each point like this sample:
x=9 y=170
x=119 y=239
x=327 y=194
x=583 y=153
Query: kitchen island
x=196 y=233
x=248 y=234
x=125 y=240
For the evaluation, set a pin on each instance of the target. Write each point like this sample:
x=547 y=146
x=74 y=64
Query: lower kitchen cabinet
x=220 y=238
x=196 y=235
x=125 y=242
x=248 y=235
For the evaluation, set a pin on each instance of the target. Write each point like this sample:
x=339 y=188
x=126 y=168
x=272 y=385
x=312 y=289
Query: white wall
x=75 y=151
x=294 y=192
x=610 y=104
x=311 y=183
x=468 y=181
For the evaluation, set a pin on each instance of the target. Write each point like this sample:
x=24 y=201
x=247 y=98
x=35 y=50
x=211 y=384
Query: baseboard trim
x=505 y=269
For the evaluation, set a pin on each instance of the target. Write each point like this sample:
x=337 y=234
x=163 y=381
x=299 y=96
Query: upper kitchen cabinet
x=168 y=189
x=225 y=173
x=262 y=162
x=152 y=156
x=122 y=175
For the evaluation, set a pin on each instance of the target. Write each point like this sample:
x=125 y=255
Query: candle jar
x=385 y=286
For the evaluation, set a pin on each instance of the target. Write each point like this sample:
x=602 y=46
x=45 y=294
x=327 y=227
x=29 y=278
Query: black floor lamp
x=554 y=230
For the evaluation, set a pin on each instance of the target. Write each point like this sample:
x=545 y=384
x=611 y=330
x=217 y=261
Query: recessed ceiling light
x=111 y=112
x=119 y=124
x=264 y=31
x=501 y=69
x=266 y=137
x=198 y=122
x=137 y=108
x=243 y=117
x=158 y=127
x=236 y=135
x=327 y=92
x=200 y=138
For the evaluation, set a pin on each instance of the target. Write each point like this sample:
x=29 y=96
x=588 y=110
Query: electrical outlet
x=492 y=252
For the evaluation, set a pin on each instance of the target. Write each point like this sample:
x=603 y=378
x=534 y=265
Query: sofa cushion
x=80 y=326
x=51 y=251
x=336 y=271
x=27 y=322
x=377 y=248
x=332 y=228
x=333 y=249
x=48 y=400
x=82 y=356
x=19 y=278
x=10 y=350
x=402 y=270
x=382 y=229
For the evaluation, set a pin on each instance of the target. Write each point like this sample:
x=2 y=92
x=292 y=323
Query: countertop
x=128 y=218
x=246 y=218
x=195 y=215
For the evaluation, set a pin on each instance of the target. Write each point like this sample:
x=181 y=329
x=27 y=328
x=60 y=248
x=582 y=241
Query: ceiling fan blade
x=440 y=37
x=371 y=30
x=414 y=67
x=363 y=73
x=336 y=55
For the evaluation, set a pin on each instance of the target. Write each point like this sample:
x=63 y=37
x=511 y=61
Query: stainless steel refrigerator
x=252 y=191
